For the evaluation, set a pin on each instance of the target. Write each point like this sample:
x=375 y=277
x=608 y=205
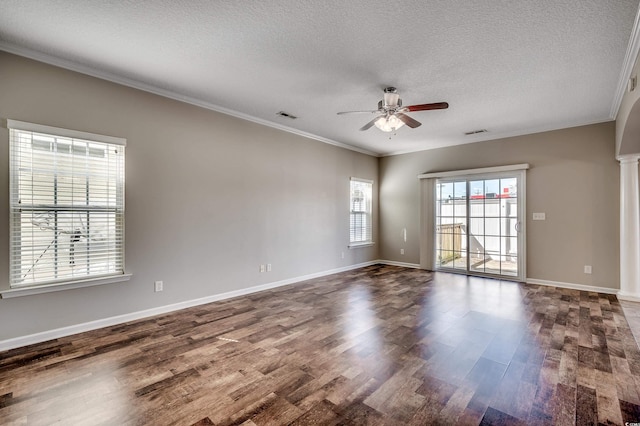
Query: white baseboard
x=572 y=286
x=403 y=264
x=628 y=297
x=31 y=339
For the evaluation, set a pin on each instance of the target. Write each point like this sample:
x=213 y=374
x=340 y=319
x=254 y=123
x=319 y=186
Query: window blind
x=67 y=205
x=361 y=229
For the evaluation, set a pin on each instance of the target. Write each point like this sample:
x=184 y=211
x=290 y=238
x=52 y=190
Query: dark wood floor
x=379 y=345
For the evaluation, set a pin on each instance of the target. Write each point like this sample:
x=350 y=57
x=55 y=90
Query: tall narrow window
x=67 y=205
x=361 y=227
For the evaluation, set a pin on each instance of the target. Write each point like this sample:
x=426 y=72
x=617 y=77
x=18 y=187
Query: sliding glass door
x=478 y=224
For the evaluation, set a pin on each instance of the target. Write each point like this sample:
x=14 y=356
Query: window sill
x=48 y=288
x=358 y=245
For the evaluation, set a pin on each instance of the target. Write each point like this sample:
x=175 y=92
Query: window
x=473 y=221
x=67 y=205
x=360 y=229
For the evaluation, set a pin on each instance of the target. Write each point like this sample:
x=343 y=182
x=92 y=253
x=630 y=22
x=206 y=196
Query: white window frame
x=361 y=236
x=428 y=211
x=17 y=209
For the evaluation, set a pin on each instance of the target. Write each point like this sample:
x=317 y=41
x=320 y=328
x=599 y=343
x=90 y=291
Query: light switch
x=539 y=216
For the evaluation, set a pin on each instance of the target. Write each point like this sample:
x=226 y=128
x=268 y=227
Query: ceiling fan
x=391 y=114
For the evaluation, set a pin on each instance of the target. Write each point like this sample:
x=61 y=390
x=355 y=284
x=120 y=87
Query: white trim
x=488 y=137
x=402 y=264
x=517 y=171
x=483 y=170
x=358 y=245
x=107 y=76
x=627 y=66
x=58 y=131
x=103 y=75
x=44 y=336
x=572 y=286
x=628 y=158
x=31 y=339
x=628 y=297
x=356 y=179
x=48 y=288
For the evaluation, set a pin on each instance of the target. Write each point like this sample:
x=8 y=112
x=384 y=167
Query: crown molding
x=629 y=62
x=487 y=137
x=627 y=66
x=135 y=84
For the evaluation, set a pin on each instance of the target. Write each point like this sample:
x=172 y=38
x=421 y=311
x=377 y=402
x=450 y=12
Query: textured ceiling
x=511 y=67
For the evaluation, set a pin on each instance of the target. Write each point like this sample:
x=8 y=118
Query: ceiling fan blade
x=358 y=112
x=408 y=120
x=370 y=124
x=426 y=107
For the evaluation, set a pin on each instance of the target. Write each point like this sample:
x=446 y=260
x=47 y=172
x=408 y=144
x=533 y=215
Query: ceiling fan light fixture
x=389 y=123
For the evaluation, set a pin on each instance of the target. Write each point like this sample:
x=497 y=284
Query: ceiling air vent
x=286 y=114
x=475 y=132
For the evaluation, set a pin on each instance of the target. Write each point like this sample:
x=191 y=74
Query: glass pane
x=445 y=225
x=476 y=207
x=446 y=208
x=509 y=227
x=477 y=261
x=509 y=188
x=492 y=246
x=460 y=234
x=492 y=226
x=460 y=190
x=460 y=209
x=459 y=261
x=476 y=226
x=511 y=246
x=63 y=245
x=477 y=189
x=476 y=244
x=492 y=207
x=492 y=188
x=513 y=226
x=445 y=258
x=445 y=191
x=510 y=266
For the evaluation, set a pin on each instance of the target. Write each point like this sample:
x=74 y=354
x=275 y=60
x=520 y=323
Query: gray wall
x=209 y=197
x=574 y=179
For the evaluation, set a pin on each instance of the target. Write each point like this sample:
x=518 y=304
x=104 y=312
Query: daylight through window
x=67 y=205
x=360 y=202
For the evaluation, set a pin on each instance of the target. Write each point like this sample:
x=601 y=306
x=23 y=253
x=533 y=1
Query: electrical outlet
x=342 y=254
x=401 y=251
x=268 y=267
x=262 y=268
x=587 y=269
x=159 y=286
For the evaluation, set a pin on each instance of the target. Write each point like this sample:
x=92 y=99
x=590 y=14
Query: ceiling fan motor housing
x=391 y=97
